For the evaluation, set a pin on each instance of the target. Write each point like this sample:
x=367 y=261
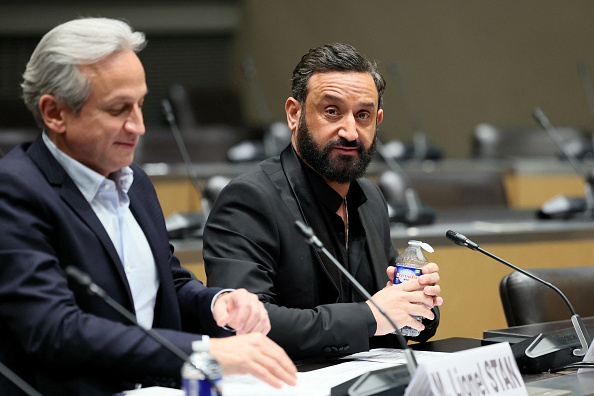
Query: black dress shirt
x=357 y=255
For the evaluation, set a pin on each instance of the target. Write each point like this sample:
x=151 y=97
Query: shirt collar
x=87 y=180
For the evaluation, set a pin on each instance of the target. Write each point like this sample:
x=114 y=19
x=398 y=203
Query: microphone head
x=461 y=240
x=167 y=110
x=78 y=275
x=540 y=117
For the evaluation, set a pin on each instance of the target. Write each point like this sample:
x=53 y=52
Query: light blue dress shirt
x=109 y=199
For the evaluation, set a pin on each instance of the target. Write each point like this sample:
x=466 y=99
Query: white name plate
x=488 y=370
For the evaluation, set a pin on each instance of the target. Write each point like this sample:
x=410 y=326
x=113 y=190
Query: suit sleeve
x=249 y=239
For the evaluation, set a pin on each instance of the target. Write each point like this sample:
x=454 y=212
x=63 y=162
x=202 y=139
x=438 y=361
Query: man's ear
x=293 y=110
x=52 y=113
x=380 y=116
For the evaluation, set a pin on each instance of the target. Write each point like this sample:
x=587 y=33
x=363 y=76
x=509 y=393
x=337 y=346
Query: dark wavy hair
x=333 y=57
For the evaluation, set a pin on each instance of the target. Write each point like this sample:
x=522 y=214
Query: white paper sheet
x=319 y=382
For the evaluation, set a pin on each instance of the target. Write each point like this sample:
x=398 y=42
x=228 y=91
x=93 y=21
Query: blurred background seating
x=502 y=142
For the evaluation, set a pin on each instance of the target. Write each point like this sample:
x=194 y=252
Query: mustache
x=345 y=143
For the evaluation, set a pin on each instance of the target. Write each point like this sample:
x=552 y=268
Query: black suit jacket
x=54 y=334
x=250 y=240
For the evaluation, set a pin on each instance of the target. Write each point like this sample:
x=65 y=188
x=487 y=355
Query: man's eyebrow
x=331 y=97
x=124 y=98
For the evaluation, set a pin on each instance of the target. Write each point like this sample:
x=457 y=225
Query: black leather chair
x=526 y=301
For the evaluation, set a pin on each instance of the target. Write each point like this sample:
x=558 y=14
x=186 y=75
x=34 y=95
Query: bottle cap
x=202 y=345
x=424 y=245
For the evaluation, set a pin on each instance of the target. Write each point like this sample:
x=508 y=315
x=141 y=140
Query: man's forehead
x=339 y=85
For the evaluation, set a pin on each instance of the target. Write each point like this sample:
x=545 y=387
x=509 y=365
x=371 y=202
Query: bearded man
x=251 y=241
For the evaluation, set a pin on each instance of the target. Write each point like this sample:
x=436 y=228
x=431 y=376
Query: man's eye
x=364 y=116
x=116 y=111
x=119 y=110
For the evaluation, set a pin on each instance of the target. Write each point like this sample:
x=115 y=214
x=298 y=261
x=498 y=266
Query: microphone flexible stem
x=183 y=150
x=94 y=289
x=528 y=274
x=311 y=238
x=391 y=162
x=411 y=361
x=18 y=381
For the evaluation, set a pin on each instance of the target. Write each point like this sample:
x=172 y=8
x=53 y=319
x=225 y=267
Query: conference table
x=564 y=380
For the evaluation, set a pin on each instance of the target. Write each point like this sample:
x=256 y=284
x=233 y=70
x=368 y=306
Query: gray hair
x=53 y=67
x=333 y=57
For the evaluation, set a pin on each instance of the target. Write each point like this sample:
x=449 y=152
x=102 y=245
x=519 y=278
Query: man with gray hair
x=74 y=198
x=251 y=240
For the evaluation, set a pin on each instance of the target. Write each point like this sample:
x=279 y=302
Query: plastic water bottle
x=194 y=382
x=408 y=266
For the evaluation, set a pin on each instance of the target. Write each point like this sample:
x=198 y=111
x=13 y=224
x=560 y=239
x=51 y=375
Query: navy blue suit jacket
x=54 y=334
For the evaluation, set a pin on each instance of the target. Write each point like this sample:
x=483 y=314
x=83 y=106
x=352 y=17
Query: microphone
x=587 y=84
x=18 y=381
x=395 y=379
x=532 y=351
x=181 y=225
x=251 y=74
x=562 y=206
x=420 y=149
x=277 y=135
x=94 y=289
x=461 y=240
x=403 y=201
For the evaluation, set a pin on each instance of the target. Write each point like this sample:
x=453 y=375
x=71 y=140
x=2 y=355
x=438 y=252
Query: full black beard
x=343 y=169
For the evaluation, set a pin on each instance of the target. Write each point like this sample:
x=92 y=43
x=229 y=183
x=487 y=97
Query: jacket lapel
x=303 y=202
x=59 y=179
x=376 y=251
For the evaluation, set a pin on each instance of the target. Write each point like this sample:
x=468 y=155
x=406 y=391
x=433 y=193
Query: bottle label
x=199 y=387
x=404 y=274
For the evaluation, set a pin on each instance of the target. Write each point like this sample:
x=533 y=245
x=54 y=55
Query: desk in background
x=528 y=183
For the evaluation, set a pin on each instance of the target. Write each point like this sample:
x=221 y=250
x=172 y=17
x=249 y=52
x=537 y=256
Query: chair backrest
x=526 y=301
x=460 y=188
x=498 y=142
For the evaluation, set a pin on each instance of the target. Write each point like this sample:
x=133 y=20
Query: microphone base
x=401 y=215
x=185 y=225
x=543 y=352
x=389 y=381
x=550 y=362
x=565 y=208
